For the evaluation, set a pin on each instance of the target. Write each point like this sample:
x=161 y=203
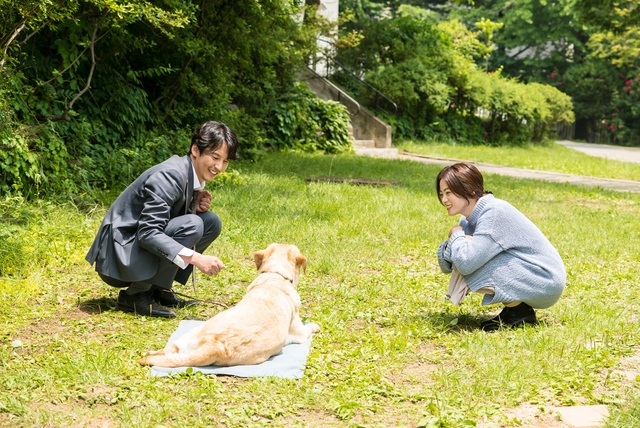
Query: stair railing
x=378 y=95
x=341 y=94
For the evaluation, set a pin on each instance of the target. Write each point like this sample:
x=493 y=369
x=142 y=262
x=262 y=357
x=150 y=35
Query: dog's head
x=285 y=260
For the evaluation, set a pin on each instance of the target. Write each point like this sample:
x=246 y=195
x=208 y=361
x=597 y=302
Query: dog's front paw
x=313 y=327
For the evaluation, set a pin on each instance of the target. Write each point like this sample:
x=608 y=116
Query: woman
x=495 y=250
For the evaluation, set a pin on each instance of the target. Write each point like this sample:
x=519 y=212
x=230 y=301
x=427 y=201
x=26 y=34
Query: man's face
x=211 y=163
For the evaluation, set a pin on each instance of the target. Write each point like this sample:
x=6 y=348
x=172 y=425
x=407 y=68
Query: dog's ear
x=302 y=261
x=258 y=257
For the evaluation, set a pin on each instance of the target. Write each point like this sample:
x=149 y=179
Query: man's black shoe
x=168 y=298
x=511 y=317
x=142 y=304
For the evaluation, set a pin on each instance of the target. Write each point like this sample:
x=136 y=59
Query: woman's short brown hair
x=464 y=180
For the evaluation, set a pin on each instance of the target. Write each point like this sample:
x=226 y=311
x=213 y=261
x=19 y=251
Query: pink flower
x=554 y=74
x=628 y=82
x=627 y=89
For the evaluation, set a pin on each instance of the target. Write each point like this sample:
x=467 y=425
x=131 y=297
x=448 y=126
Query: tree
x=608 y=15
x=430 y=68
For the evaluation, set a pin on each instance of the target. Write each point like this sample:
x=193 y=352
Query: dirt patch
x=33 y=336
x=528 y=416
x=628 y=367
x=68 y=410
x=312 y=419
x=412 y=378
x=625 y=373
x=370 y=271
x=356 y=181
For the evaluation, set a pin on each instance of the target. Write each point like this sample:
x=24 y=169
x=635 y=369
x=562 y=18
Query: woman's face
x=209 y=164
x=454 y=203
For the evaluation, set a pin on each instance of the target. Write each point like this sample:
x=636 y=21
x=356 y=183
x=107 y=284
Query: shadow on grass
x=97 y=306
x=452 y=323
x=448 y=322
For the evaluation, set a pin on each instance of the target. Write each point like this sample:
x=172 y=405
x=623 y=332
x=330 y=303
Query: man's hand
x=203 y=201
x=209 y=265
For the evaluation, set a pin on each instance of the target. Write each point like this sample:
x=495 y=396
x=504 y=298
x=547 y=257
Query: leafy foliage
x=307 y=122
x=95 y=90
x=579 y=47
x=609 y=15
x=430 y=68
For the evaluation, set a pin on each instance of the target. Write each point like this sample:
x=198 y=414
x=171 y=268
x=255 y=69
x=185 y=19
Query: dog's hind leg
x=205 y=355
x=170 y=350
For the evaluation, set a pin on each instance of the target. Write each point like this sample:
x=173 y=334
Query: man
x=148 y=236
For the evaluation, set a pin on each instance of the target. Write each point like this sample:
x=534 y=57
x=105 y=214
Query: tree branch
x=13 y=36
x=524 y=49
x=68 y=107
x=30 y=35
x=70 y=65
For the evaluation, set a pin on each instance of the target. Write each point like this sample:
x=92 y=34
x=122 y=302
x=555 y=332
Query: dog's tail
x=207 y=354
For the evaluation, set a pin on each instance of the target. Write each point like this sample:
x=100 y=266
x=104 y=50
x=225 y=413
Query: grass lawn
x=392 y=351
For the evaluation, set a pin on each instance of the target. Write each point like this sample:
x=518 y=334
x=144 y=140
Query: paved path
x=612 y=152
x=625 y=154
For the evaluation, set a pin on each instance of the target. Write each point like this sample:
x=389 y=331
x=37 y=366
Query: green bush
x=519 y=113
x=35 y=163
x=303 y=121
x=559 y=110
x=17 y=163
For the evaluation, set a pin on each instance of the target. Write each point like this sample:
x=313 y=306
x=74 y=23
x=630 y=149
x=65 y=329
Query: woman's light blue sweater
x=508 y=252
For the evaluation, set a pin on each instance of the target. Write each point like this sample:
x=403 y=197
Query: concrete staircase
x=368 y=147
x=371 y=135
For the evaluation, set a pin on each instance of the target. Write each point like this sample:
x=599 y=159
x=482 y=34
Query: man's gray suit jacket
x=131 y=241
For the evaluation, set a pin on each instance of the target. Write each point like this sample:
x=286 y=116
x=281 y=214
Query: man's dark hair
x=211 y=135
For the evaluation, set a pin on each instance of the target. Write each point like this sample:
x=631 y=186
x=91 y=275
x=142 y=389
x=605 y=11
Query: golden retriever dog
x=256 y=328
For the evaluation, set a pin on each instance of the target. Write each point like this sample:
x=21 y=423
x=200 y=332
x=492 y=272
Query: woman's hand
x=454 y=229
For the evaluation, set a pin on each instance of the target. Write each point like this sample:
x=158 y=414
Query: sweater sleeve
x=445 y=266
x=467 y=256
